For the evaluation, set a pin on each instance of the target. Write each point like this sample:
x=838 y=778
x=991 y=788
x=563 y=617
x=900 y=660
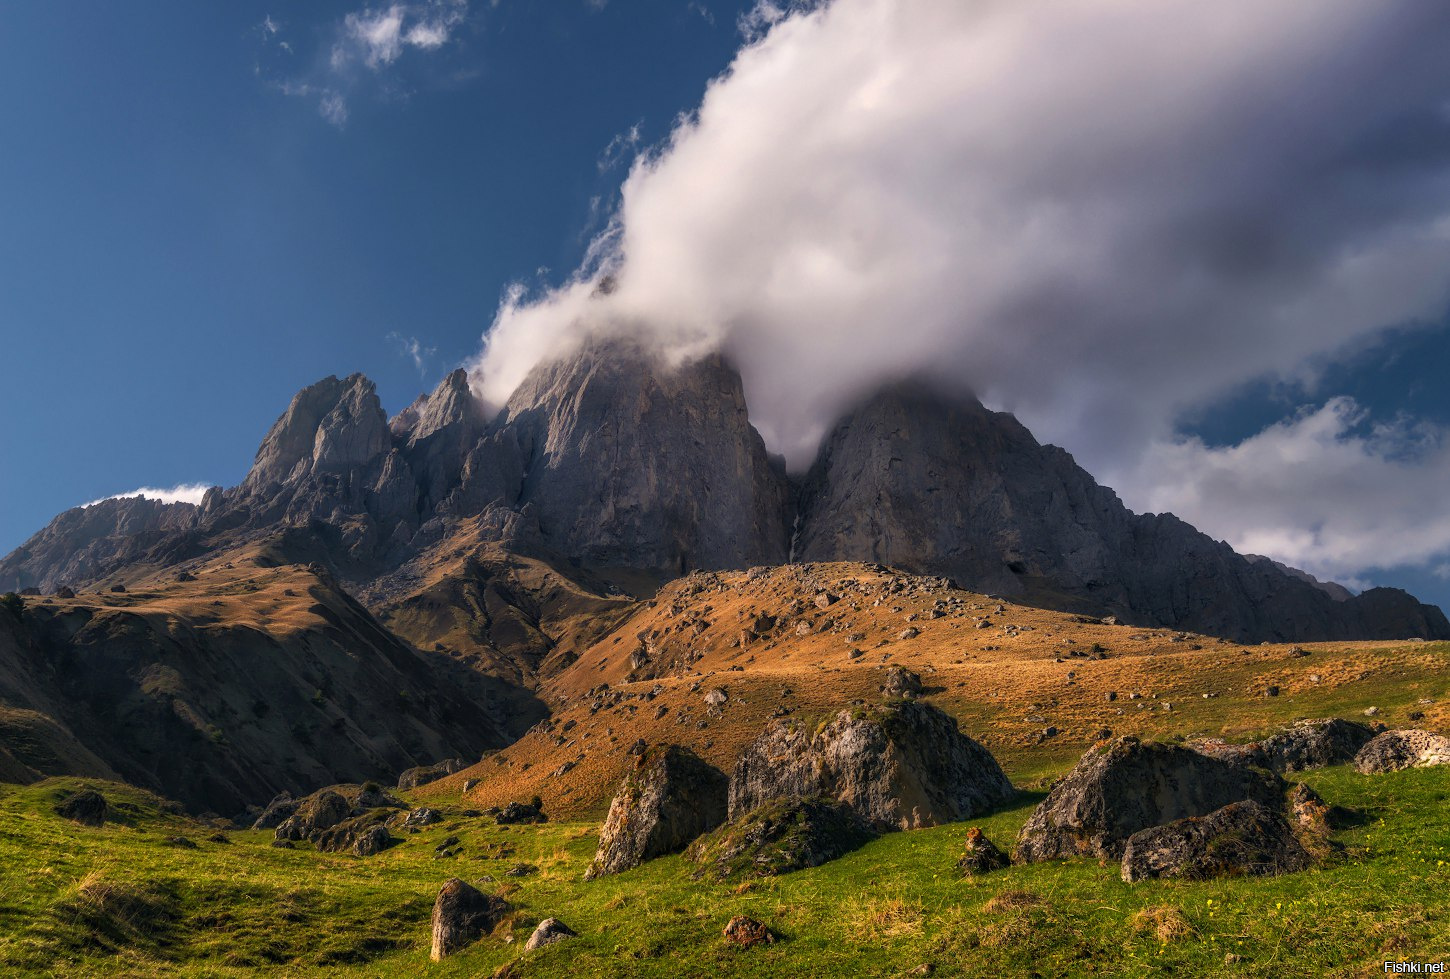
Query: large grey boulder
x=1123 y=786
x=1303 y=745
x=1241 y=839
x=461 y=915
x=1393 y=751
x=670 y=798
x=903 y=765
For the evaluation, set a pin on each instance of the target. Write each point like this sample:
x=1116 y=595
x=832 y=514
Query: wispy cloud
x=361 y=48
x=413 y=348
x=621 y=146
x=181 y=493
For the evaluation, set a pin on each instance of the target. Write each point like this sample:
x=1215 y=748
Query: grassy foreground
x=123 y=900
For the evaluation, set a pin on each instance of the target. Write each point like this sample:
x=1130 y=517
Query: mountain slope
x=938 y=484
x=245 y=679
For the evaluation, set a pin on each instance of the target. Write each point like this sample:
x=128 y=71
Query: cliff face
x=610 y=457
x=635 y=463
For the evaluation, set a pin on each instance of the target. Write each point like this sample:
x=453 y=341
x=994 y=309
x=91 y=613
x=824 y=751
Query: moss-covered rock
x=779 y=837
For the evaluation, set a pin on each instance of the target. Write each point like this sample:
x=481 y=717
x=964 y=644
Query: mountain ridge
x=609 y=458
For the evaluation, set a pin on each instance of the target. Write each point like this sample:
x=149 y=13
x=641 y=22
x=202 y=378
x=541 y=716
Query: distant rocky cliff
x=612 y=458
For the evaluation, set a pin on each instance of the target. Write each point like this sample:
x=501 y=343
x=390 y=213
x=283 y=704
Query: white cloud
x=1096 y=214
x=181 y=493
x=1326 y=490
x=379 y=36
x=333 y=107
x=413 y=348
x=620 y=147
x=373 y=38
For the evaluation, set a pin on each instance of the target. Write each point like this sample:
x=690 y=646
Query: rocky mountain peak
x=331 y=426
x=632 y=460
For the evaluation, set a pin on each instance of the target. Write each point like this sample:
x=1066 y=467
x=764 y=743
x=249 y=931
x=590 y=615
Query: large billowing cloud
x=1096 y=213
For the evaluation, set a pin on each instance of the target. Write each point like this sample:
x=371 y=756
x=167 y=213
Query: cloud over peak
x=1098 y=215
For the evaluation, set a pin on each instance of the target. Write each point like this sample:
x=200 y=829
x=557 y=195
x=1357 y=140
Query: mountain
x=635 y=463
x=611 y=465
x=933 y=482
x=227 y=683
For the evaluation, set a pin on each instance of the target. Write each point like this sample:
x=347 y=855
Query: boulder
x=747 y=932
x=521 y=812
x=550 y=930
x=901 y=682
x=319 y=811
x=1305 y=744
x=1241 y=839
x=779 y=837
x=670 y=799
x=982 y=855
x=277 y=811
x=900 y=766
x=423 y=774
x=1396 y=750
x=363 y=835
x=87 y=807
x=420 y=817
x=65 y=592
x=462 y=914
x=1126 y=785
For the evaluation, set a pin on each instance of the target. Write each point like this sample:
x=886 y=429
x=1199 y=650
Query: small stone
x=1271 y=691
x=1371 y=711
x=746 y=932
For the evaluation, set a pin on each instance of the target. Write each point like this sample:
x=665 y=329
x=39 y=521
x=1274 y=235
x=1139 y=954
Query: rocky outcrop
x=1393 y=751
x=87 y=807
x=275 y=812
x=423 y=774
x=669 y=800
x=1123 y=786
x=318 y=812
x=1304 y=745
x=900 y=766
x=936 y=483
x=637 y=463
x=779 y=837
x=1241 y=839
x=461 y=915
x=363 y=835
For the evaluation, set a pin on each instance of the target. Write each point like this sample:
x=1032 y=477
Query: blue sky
x=1206 y=252
x=184 y=245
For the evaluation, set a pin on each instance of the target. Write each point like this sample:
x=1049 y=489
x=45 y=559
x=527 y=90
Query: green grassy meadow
x=122 y=900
